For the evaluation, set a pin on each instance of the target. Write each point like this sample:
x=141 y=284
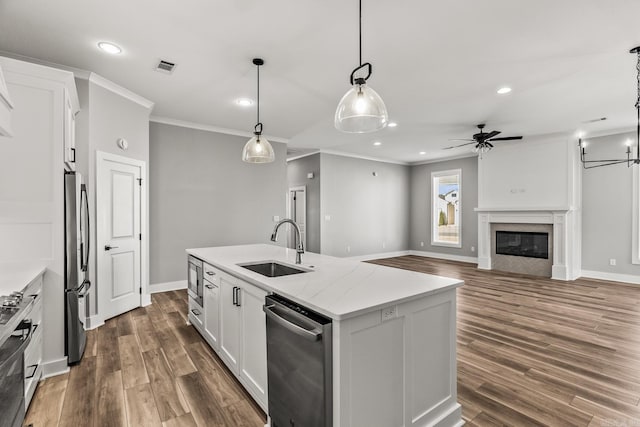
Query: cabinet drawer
x=211 y=273
x=196 y=314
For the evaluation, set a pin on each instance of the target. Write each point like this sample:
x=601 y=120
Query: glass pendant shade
x=258 y=150
x=361 y=110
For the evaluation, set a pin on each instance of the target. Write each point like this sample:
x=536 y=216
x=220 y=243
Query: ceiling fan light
x=361 y=110
x=258 y=150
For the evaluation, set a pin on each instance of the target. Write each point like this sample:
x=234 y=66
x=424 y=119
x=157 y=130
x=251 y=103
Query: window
x=446 y=229
x=635 y=251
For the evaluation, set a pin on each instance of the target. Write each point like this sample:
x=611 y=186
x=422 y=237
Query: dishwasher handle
x=311 y=335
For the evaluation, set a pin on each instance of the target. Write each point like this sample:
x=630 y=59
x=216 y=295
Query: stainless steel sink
x=272 y=268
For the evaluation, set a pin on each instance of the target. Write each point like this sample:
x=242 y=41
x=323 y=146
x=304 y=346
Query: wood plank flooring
x=145 y=368
x=531 y=352
x=535 y=351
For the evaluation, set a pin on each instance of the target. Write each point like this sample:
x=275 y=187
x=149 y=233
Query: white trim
x=93 y=322
x=358 y=156
x=167 y=286
x=443 y=159
x=560 y=209
x=54 y=367
x=119 y=90
x=448 y=257
x=434 y=221
x=301 y=156
x=77 y=72
x=614 y=277
x=378 y=256
x=210 y=128
x=635 y=226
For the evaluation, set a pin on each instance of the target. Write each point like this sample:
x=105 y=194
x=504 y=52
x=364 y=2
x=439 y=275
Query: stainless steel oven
x=194 y=274
x=299 y=365
x=12 y=376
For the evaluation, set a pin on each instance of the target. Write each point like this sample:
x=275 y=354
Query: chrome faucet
x=299 y=246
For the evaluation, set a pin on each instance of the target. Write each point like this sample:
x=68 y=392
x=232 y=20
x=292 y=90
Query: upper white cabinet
x=44 y=99
x=5 y=108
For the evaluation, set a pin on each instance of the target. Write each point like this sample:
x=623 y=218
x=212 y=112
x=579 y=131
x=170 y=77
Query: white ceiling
x=437 y=64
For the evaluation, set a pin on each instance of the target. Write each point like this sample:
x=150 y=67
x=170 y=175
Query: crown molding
x=302 y=156
x=119 y=90
x=210 y=128
x=77 y=72
x=444 y=159
x=358 y=156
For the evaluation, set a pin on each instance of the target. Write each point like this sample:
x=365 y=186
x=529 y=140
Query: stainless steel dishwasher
x=299 y=365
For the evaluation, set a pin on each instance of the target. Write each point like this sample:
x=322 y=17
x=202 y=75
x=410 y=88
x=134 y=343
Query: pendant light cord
x=638 y=110
x=360 y=30
x=258 y=109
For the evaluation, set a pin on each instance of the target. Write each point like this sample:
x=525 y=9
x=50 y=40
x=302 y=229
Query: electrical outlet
x=389 y=313
x=421 y=243
x=473 y=248
x=276 y=218
x=348 y=249
x=384 y=245
x=612 y=261
x=327 y=217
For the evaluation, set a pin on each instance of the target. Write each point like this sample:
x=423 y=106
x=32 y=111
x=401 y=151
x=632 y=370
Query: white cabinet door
x=229 y=322
x=211 y=314
x=196 y=315
x=5 y=108
x=69 y=132
x=253 y=357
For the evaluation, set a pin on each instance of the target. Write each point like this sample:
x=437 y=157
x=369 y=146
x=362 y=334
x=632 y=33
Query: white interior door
x=118 y=240
x=297 y=211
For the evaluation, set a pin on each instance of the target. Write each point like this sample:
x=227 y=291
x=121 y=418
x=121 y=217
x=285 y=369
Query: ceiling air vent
x=165 y=67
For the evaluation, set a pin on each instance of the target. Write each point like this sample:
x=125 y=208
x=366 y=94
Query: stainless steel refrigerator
x=77 y=285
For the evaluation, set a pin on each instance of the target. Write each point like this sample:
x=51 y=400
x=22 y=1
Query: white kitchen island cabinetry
x=394 y=332
x=234 y=326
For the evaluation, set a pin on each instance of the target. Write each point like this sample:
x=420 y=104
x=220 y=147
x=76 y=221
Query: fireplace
x=523 y=244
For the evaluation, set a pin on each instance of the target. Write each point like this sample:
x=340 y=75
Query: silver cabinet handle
x=108 y=248
x=209 y=286
x=195 y=312
x=33 y=373
x=211 y=273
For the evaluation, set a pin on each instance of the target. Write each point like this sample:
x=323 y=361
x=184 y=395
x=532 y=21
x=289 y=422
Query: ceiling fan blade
x=490 y=134
x=457 y=139
x=461 y=145
x=506 y=138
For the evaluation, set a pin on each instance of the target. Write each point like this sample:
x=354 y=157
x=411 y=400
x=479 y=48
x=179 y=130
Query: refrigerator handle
x=87 y=246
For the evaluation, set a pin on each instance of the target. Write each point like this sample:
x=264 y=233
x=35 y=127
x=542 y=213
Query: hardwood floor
x=531 y=352
x=534 y=351
x=146 y=368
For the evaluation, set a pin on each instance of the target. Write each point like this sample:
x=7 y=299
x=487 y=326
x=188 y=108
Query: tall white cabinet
x=5 y=108
x=44 y=103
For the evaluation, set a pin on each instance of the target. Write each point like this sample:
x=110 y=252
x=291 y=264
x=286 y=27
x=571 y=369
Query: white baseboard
x=448 y=257
x=93 y=322
x=54 y=367
x=167 y=286
x=378 y=256
x=614 y=277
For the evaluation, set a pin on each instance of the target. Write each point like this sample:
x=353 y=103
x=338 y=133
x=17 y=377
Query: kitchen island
x=394 y=332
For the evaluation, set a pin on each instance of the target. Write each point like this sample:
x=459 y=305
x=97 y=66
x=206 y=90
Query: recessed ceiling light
x=244 y=102
x=392 y=124
x=504 y=90
x=377 y=143
x=422 y=153
x=110 y=48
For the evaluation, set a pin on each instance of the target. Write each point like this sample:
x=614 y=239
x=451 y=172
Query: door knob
x=108 y=248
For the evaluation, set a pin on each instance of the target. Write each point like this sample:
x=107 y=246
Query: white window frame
x=434 y=207
x=635 y=249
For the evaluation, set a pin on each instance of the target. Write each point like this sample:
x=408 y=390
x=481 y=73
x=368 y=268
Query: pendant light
x=258 y=149
x=361 y=109
x=590 y=164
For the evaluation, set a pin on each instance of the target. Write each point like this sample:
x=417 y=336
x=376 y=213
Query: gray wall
x=297 y=171
x=202 y=194
x=370 y=214
x=104 y=117
x=420 y=217
x=607 y=209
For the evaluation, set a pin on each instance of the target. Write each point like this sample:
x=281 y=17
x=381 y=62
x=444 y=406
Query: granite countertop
x=336 y=287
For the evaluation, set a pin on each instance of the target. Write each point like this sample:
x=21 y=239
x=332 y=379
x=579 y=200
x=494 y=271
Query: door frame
x=302 y=188
x=145 y=297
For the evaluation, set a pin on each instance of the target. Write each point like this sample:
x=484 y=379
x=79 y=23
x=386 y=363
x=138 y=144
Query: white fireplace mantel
x=565 y=231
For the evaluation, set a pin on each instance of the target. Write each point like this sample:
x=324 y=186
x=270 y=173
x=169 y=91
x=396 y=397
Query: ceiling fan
x=483 y=140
